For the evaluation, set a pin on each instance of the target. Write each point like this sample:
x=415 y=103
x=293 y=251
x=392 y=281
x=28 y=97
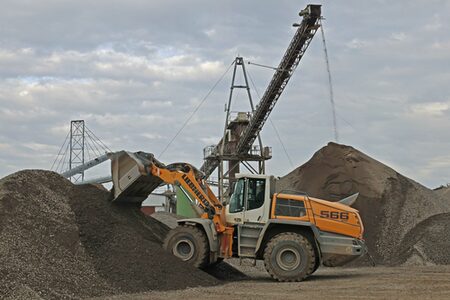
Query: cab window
x=255 y=193
x=290 y=208
x=237 y=199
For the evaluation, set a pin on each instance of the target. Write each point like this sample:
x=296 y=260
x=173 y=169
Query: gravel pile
x=393 y=207
x=444 y=192
x=428 y=243
x=61 y=241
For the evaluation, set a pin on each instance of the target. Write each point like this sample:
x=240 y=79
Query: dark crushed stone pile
x=392 y=206
x=428 y=242
x=40 y=248
x=58 y=241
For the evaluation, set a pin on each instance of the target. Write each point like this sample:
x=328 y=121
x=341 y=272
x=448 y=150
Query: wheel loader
x=292 y=232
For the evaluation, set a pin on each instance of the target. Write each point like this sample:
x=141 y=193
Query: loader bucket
x=131 y=180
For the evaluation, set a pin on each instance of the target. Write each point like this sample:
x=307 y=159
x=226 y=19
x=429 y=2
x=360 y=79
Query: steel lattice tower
x=305 y=32
x=76 y=148
x=81 y=150
x=225 y=153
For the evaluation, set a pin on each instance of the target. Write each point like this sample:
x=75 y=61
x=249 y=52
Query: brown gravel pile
x=61 y=241
x=392 y=206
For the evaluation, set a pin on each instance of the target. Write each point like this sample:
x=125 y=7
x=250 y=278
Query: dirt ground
x=413 y=282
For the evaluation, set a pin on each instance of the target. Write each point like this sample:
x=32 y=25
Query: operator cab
x=250 y=201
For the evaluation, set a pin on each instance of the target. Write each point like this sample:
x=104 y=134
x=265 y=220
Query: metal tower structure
x=226 y=152
x=252 y=125
x=76 y=148
x=81 y=150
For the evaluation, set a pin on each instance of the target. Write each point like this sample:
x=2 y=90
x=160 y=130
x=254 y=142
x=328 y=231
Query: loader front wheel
x=289 y=257
x=189 y=244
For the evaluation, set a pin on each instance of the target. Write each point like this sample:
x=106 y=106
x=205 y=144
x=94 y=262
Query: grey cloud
x=135 y=71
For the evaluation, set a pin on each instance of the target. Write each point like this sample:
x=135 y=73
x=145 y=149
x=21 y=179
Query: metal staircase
x=248 y=235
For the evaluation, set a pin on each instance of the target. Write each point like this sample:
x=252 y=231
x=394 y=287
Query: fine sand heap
x=404 y=221
x=61 y=241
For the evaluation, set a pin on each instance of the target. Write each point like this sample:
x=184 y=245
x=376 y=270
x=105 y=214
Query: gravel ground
x=418 y=282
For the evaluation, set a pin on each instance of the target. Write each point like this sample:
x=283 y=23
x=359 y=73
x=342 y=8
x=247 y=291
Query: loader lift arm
x=136 y=175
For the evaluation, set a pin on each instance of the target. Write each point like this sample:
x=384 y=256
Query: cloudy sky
x=135 y=70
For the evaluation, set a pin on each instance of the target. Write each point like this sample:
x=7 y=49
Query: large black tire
x=289 y=256
x=317 y=255
x=188 y=243
x=316 y=266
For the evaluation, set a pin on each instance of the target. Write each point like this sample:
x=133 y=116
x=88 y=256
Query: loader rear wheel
x=289 y=257
x=189 y=244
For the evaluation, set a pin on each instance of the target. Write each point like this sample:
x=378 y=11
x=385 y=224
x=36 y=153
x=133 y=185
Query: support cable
x=90 y=148
x=333 y=108
x=266 y=66
x=96 y=145
x=100 y=148
x=104 y=146
x=87 y=151
x=195 y=111
x=60 y=149
x=63 y=160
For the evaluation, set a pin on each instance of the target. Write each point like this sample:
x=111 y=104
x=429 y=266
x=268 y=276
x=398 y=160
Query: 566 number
x=334 y=215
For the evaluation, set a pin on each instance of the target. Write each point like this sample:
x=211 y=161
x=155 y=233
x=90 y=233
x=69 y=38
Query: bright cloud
x=430 y=109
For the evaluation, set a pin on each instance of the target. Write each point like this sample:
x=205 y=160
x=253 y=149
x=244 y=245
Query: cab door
x=255 y=197
x=235 y=209
x=247 y=202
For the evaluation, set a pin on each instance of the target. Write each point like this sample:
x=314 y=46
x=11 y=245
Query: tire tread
x=202 y=260
x=289 y=236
